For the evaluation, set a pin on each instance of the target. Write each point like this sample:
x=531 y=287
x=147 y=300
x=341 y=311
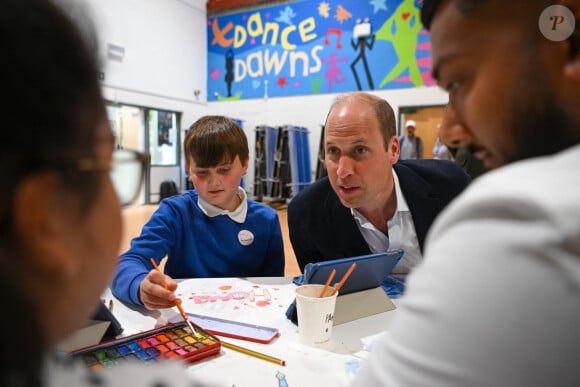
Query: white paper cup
x=315 y=314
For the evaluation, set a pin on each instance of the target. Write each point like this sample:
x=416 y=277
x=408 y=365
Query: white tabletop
x=261 y=301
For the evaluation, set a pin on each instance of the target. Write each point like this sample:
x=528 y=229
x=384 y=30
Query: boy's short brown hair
x=213 y=140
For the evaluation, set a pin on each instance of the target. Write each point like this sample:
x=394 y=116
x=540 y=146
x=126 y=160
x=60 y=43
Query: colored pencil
x=253 y=353
x=330 y=277
x=178 y=304
x=344 y=277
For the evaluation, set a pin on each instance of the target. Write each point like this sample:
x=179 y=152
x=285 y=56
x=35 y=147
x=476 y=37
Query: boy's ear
x=245 y=165
x=188 y=168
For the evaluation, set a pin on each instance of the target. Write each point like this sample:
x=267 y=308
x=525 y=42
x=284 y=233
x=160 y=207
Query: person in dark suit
x=370 y=202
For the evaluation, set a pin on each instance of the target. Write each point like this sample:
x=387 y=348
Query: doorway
x=163 y=144
x=427 y=119
x=127 y=125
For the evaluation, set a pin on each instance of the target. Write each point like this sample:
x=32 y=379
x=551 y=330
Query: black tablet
x=369 y=272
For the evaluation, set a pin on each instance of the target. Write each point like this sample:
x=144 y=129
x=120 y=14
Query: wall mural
x=315 y=47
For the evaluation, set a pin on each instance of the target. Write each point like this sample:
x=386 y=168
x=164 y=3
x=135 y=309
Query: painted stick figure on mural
x=402 y=29
x=229 y=78
x=361 y=32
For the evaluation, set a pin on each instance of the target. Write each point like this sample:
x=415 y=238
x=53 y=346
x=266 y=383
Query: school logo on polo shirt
x=246 y=237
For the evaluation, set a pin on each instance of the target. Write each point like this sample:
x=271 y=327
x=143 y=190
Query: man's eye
x=331 y=151
x=360 y=150
x=452 y=86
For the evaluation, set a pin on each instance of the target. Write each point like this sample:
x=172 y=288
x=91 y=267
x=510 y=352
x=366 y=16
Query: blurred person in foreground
x=451 y=136
x=60 y=214
x=496 y=301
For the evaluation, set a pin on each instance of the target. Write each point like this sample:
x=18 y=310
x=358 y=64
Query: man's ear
x=394 y=149
x=42 y=225
x=572 y=69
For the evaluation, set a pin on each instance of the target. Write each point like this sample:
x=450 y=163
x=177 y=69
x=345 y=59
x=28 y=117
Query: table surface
x=262 y=301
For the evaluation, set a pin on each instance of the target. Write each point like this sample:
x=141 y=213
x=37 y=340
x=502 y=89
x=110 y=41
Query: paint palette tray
x=166 y=342
x=234 y=329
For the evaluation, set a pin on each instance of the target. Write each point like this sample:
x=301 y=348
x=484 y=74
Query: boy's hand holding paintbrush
x=157 y=291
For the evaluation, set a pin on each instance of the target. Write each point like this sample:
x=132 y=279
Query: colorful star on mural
x=379 y=4
x=281 y=82
x=324 y=9
x=342 y=14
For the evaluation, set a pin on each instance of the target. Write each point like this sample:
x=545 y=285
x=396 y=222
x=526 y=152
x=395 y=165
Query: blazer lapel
x=342 y=224
x=423 y=203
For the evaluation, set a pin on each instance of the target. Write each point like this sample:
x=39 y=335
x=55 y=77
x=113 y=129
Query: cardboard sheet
x=361 y=304
x=90 y=334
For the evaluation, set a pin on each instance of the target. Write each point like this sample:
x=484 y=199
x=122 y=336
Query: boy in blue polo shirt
x=211 y=231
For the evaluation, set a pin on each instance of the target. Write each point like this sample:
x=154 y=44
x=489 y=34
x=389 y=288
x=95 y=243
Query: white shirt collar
x=238 y=215
x=401 y=204
x=402 y=234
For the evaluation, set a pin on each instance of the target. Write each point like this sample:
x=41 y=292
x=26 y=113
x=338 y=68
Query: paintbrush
x=330 y=277
x=179 y=307
x=346 y=275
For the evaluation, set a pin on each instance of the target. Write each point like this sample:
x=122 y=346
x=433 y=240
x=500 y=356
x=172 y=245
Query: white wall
x=165 y=60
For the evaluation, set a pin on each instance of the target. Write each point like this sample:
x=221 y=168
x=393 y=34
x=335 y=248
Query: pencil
x=344 y=277
x=178 y=304
x=330 y=277
x=253 y=353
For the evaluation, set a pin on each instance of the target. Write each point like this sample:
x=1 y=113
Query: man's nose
x=345 y=167
x=452 y=132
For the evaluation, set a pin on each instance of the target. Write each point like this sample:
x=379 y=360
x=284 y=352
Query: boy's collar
x=238 y=215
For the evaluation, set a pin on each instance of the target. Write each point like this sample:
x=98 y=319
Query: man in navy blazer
x=370 y=202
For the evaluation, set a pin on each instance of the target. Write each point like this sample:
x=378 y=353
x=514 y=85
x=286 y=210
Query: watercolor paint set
x=170 y=341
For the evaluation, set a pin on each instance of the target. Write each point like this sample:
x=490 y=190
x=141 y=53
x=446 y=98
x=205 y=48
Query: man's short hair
x=429 y=8
x=382 y=110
